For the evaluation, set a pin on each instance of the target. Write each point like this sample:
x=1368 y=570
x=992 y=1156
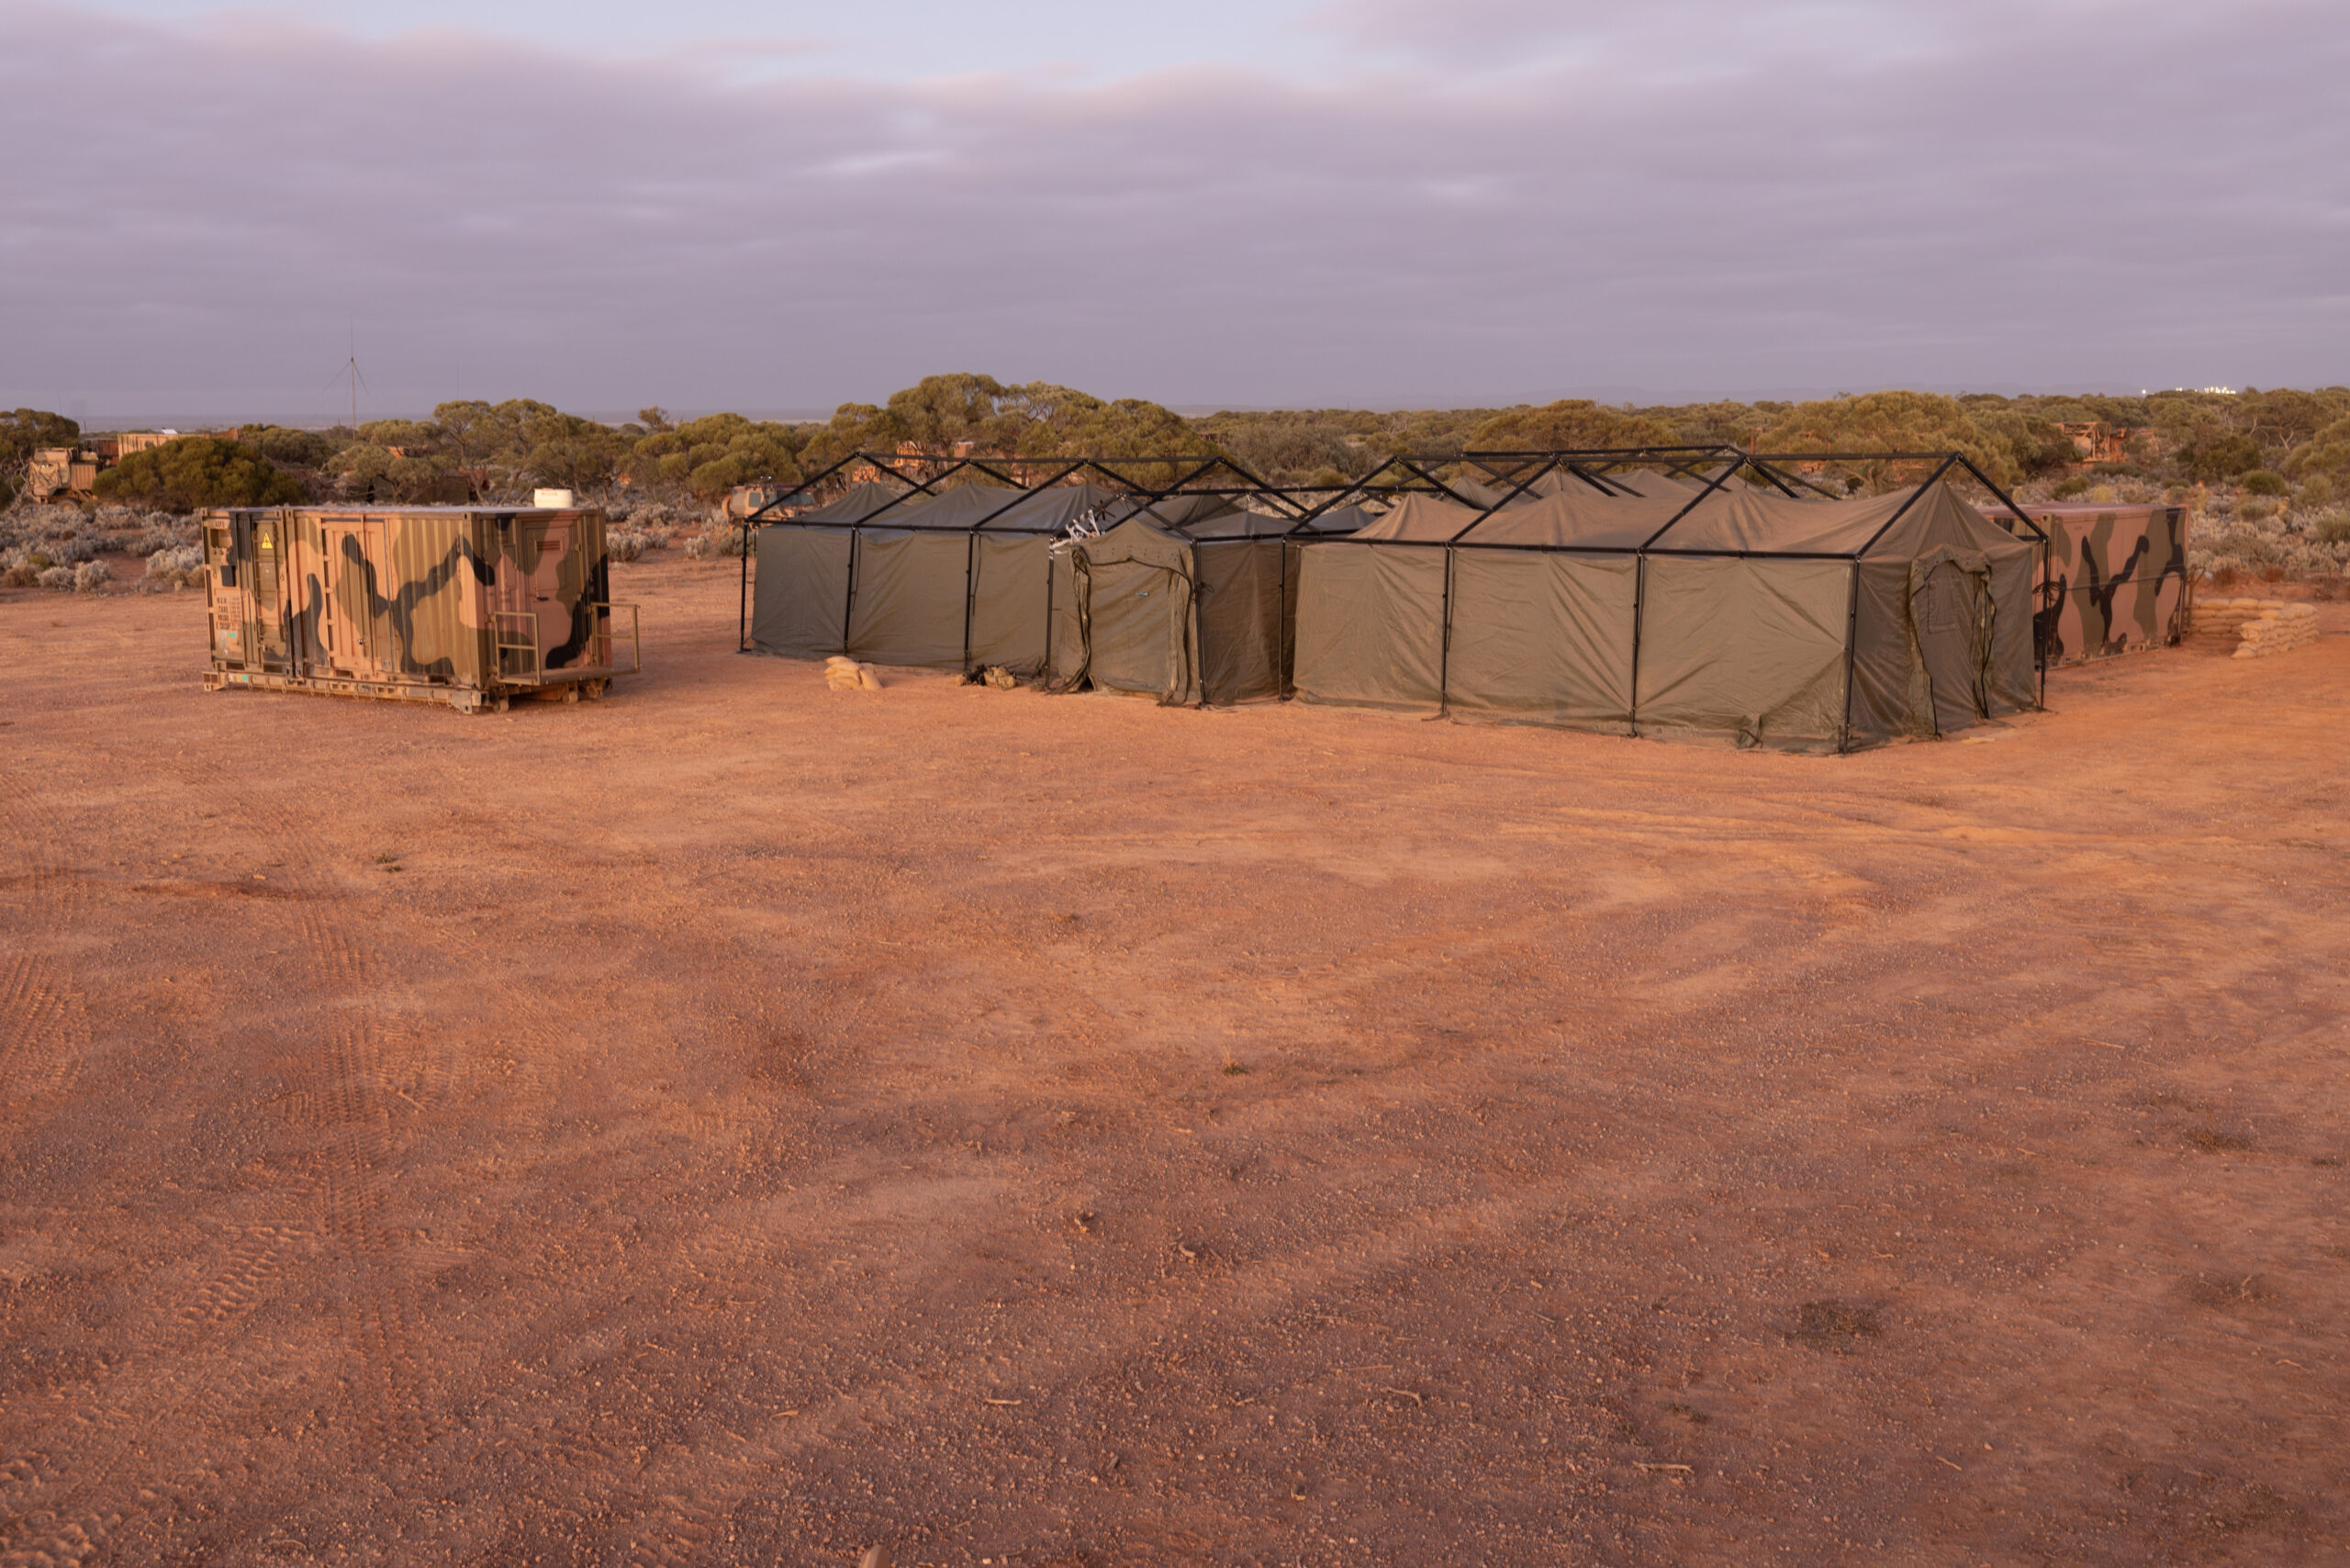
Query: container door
x=266 y=597
x=349 y=554
x=225 y=588
x=535 y=610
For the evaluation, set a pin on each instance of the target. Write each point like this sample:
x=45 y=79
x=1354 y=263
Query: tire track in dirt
x=691 y=1512
x=44 y=1026
x=57 y=1510
x=340 y=1106
x=44 y=1033
x=44 y=1037
x=343 y=1106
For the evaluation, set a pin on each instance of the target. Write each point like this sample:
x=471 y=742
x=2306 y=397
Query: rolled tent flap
x=1370 y=625
x=800 y=603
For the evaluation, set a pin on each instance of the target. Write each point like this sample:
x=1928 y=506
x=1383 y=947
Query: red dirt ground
x=738 y=1123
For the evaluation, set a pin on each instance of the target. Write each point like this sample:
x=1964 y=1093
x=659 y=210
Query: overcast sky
x=717 y=203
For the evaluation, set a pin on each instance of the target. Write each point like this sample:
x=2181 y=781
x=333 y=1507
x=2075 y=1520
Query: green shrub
x=199 y=471
x=2264 y=482
x=2316 y=491
x=2334 y=528
x=2067 y=488
x=2220 y=458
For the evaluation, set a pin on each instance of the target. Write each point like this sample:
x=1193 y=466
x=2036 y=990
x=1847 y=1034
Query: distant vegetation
x=199 y=471
x=2290 y=445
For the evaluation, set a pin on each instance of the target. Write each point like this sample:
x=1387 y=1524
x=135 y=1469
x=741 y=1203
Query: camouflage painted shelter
x=954 y=580
x=1189 y=599
x=470 y=605
x=1739 y=617
x=2114 y=581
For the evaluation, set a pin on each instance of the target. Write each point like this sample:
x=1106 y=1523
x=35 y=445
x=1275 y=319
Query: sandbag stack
x=2260 y=626
x=2277 y=632
x=846 y=674
x=2225 y=617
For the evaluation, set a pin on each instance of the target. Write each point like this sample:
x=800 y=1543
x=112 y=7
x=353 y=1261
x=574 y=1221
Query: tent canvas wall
x=1187 y=601
x=955 y=581
x=1746 y=618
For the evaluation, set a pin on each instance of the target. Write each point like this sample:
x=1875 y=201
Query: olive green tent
x=1188 y=599
x=952 y=581
x=1740 y=617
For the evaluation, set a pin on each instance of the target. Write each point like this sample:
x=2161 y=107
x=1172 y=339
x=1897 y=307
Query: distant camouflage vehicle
x=470 y=605
x=2114 y=579
x=63 y=471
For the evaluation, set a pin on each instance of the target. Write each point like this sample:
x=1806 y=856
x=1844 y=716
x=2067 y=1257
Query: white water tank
x=559 y=499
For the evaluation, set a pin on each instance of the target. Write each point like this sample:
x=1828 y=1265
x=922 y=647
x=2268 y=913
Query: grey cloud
x=1988 y=209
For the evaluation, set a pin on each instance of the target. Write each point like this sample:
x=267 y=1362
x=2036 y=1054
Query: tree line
x=498 y=453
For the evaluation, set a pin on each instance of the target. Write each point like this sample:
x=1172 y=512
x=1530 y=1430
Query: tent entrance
x=1137 y=615
x=1951 y=607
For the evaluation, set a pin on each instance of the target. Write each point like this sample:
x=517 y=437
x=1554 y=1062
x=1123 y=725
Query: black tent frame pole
x=848 y=600
x=742 y=632
x=970 y=589
x=1444 y=646
x=1639 y=618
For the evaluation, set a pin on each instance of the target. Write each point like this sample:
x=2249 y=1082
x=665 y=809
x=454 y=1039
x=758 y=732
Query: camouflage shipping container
x=471 y=606
x=2113 y=581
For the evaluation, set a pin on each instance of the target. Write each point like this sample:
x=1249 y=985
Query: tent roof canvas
x=1759 y=523
x=957 y=509
x=1648 y=482
x=859 y=501
x=1591 y=521
x=1051 y=509
x=1418 y=517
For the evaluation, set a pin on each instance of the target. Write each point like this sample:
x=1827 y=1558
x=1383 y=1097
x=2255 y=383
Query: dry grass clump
x=625 y=545
x=178 y=567
x=35 y=525
x=89 y=577
x=649 y=516
x=726 y=539
x=166 y=533
x=2238 y=537
x=52 y=565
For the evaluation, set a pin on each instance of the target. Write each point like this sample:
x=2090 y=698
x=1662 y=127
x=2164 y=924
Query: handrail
x=601 y=641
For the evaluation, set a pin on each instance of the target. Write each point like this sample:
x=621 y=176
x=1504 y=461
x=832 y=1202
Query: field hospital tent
x=959 y=580
x=1745 y=616
x=1189 y=599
